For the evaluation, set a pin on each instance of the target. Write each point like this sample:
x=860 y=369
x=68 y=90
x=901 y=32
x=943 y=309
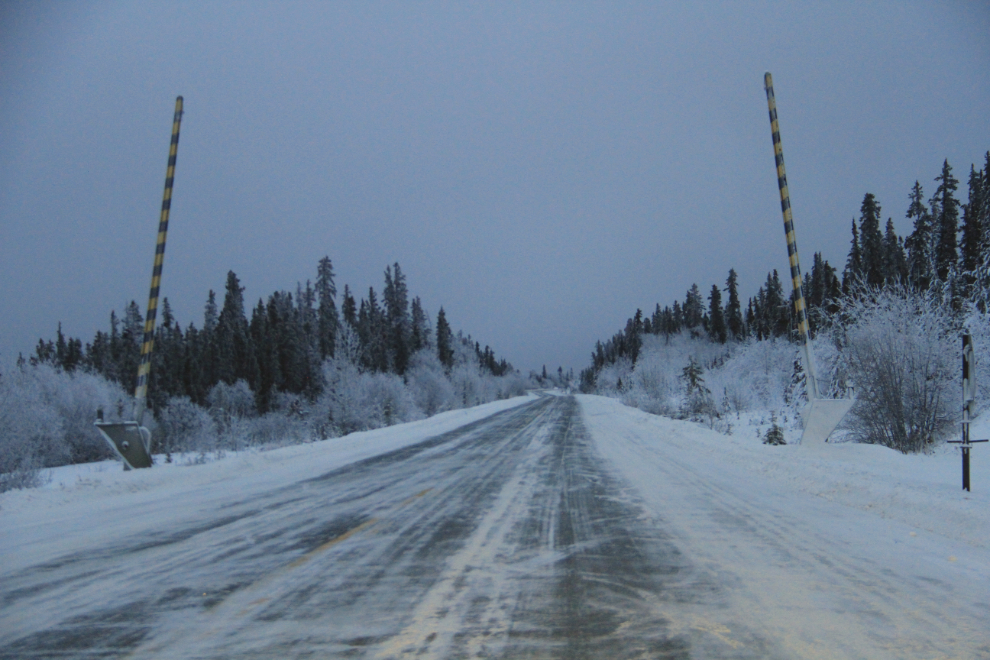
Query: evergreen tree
x=208 y=341
x=677 y=318
x=445 y=351
x=235 y=355
x=131 y=337
x=399 y=324
x=752 y=324
x=854 y=263
x=693 y=307
x=266 y=350
x=895 y=261
x=326 y=291
x=778 y=312
x=633 y=340
x=98 y=357
x=871 y=242
x=733 y=310
x=946 y=222
x=971 y=245
x=349 y=308
x=420 y=327
x=194 y=366
x=822 y=289
x=985 y=214
x=374 y=334
x=165 y=379
x=285 y=333
x=210 y=313
x=918 y=244
x=307 y=319
x=716 y=321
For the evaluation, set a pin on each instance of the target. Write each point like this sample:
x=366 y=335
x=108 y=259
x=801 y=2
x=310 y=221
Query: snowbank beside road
x=844 y=551
x=921 y=490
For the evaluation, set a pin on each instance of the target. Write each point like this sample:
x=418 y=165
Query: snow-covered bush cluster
x=690 y=377
x=46 y=420
x=901 y=352
x=896 y=350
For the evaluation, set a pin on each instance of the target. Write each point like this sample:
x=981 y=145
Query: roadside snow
x=842 y=551
x=921 y=490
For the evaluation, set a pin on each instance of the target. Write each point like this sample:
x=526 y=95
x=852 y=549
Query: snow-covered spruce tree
x=326 y=291
x=871 y=241
x=774 y=434
x=899 y=348
x=698 y=403
x=946 y=208
x=716 y=320
x=920 y=260
x=733 y=310
x=445 y=351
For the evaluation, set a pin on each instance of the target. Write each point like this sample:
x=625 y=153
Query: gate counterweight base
x=131 y=442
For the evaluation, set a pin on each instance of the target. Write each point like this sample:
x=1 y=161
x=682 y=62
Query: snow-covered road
x=558 y=527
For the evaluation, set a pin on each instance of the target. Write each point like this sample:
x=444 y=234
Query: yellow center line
x=332 y=542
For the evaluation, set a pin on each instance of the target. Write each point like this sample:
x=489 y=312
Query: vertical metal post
x=969 y=405
x=800 y=309
x=969 y=398
x=144 y=368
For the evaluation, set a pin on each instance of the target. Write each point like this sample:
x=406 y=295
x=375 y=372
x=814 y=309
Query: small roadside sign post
x=969 y=406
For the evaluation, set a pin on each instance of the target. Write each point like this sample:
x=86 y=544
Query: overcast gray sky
x=538 y=169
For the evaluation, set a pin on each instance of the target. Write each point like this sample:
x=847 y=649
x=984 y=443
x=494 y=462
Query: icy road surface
x=561 y=528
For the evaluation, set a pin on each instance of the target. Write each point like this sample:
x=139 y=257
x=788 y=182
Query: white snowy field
x=842 y=551
x=81 y=505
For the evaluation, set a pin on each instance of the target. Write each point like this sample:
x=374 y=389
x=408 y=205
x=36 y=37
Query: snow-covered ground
x=923 y=490
x=840 y=551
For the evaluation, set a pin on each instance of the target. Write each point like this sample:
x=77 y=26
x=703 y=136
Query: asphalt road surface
x=510 y=537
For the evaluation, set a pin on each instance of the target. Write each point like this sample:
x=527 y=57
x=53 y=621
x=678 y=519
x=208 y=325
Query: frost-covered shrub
x=76 y=397
x=614 y=379
x=900 y=350
x=977 y=323
x=390 y=401
x=183 y=427
x=431 y=390
x=342 y=406
x=47 y=415
x=228 y=401
x=354 y=400
x=654 y=382
x=755 y=374
x=278 y=428
x=468 y=387
x=31 y=433
x=511 y=384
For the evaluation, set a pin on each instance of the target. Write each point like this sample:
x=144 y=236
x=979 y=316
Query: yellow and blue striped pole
x=800 y=309
x=144 y=368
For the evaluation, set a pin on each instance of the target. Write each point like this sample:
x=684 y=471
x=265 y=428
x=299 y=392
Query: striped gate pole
x=792 y=252
x=144 y=367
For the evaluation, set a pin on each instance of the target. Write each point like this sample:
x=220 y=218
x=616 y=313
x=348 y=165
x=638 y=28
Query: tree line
x=278 y=348
x=948 y=247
